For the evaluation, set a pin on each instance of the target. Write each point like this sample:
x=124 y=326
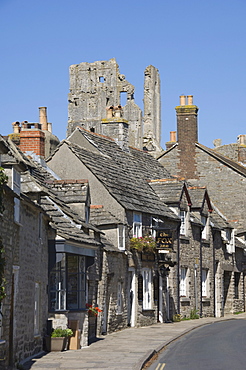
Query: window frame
x=204 y=221
x=63 y=275
x=183 y=226
x=204 y=281
x=183 y=285
x=137 y=225
x=147 y=289
x=121 y=236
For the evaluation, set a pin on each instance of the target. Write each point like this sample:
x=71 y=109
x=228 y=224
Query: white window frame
x=137 y=224
x=205 y=293
x=121 y=237
x=37 y=309
x=183 y=291
x=119 y=298
x=204 y=220
x=147 y=289
x=16 y=181
x=183 y=225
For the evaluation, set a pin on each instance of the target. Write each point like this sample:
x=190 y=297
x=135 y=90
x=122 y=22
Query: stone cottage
x=118 y=177
x=225 y=180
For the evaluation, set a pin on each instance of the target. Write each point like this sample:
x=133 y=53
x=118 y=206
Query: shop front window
x=67 y=285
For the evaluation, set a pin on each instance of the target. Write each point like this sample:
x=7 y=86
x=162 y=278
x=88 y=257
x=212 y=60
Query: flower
x=93 y=311
x=143 y=244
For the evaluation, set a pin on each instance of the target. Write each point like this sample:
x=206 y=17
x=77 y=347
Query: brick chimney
x=32 y=139
x=187 y=136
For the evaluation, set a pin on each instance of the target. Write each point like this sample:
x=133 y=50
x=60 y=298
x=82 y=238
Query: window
x=183 y=226
x=228 y=237
x=204 y=221
x=68 y=283
x=183 y=282
x=147 y=289
x=75 y=282
x=16 y=181
x=204 y=283
x=137 y=225
x=16 y=189
x=121 y=237
x=120 y=298
x=36 y=309
x=101 y=79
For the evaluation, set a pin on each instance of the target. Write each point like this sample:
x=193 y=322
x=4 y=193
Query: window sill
x=184 y=238
x=148 y=309
x=205 y=300
x=184 y=299
x=205 y=241
x=37 y=336
x=2 y=342
x=18 y=223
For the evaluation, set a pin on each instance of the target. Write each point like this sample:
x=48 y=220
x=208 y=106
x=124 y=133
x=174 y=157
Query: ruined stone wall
x=152 y=103
x=96 y=86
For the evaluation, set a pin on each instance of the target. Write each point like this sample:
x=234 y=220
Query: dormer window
x=183 y=226
x=121 y=237
x=204 y=221
x=16 y=183
x=137 y=224
x=227 y=236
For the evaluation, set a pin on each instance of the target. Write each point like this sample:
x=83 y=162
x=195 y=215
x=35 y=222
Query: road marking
x=160 y=366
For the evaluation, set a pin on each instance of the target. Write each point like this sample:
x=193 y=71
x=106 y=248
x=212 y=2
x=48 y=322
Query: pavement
x=127 y=349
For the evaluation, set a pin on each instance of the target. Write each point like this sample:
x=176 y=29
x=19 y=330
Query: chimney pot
x=43 y=118
x=190 y=99
x=173 y=136
x=182 y=100
x=16 y=127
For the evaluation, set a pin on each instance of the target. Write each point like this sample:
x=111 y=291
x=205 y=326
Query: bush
x=194 y=314
x=59 y=332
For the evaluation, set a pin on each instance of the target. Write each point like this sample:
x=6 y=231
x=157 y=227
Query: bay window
x=67 y=283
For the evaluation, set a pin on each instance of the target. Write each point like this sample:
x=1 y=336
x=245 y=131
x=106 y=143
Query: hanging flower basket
x=143 y=244
x=92 y=311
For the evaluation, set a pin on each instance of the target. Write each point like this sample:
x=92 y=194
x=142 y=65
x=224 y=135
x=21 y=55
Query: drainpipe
x=178 y=268
x=200 y=272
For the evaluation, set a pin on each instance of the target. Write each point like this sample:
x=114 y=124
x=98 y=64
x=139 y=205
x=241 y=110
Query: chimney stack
x=172 y=141
x=187 y=135
x=32 y=139
x=43 y=118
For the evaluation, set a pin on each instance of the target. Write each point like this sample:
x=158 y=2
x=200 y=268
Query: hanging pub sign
x=164 y=239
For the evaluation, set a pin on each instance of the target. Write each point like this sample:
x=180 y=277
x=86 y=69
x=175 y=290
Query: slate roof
x=225 y=160
x=99 y=217
x=197 y=195
x=169 y=190
x=215 y=154
x=124 y=174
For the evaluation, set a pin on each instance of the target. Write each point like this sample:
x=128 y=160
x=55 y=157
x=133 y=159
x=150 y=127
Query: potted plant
x=59 y=339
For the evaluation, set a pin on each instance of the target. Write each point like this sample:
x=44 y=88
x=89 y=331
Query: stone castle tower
x=95 y=87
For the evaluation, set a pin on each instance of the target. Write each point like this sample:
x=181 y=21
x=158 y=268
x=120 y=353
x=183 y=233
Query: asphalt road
x=217 y=346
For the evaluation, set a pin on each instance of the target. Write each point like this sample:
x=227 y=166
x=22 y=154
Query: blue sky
x=198 y=47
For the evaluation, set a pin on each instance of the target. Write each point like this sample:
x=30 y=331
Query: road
x=218 y=346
